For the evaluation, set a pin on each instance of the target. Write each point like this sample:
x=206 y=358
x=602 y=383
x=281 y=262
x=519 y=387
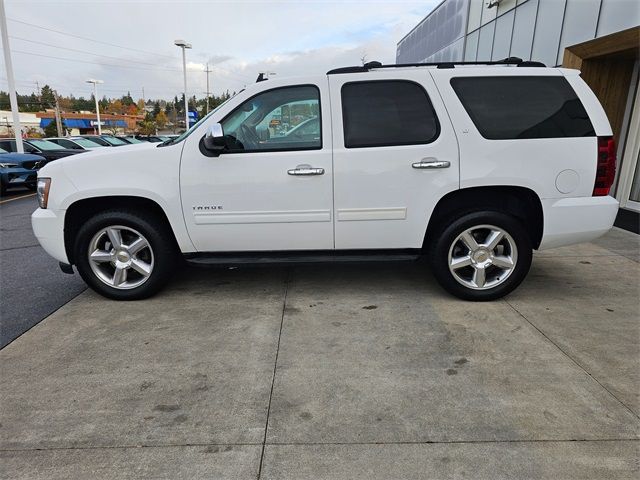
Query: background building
x=599 y=37
x=28 y=121
x=87 y=123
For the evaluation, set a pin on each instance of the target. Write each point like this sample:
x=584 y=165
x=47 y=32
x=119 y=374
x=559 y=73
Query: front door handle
x=306 y=170
x=427 y=164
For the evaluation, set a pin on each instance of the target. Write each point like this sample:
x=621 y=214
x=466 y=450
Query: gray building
x=599 y=37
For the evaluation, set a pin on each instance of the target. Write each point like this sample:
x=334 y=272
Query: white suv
x=472 y=166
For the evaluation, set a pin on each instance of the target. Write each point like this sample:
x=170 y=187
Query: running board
x=288 y=258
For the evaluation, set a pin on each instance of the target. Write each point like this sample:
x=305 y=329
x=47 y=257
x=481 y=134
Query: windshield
x=2 y=150
x=114 y=141
x=85 y=142
x=186 y=133
x=99 y=141
x=45 y=144
x=133 y=140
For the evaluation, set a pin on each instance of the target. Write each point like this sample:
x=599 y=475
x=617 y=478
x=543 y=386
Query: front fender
x=151 y=173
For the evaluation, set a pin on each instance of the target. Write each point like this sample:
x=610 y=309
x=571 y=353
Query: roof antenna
x=262 y=76
x=372 y=64
x=515 y=60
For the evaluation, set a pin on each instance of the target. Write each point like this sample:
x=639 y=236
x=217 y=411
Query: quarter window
x=523 y=107
x=276 y=120
x=386 y=113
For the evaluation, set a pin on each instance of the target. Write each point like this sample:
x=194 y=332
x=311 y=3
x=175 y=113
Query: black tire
x=160 y=240
x=444 y=237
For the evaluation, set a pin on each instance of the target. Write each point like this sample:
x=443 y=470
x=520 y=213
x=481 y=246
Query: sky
x=130 y=44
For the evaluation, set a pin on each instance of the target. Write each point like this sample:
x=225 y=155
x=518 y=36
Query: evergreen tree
x=51 y=130
x=47 y=96
x=127 y=100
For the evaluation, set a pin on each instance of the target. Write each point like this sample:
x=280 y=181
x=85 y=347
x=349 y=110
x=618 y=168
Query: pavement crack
x=114 y=447
x=249 y=444
x=275 y=367
x=575 y=362
x=19 y=248
x=463 y=442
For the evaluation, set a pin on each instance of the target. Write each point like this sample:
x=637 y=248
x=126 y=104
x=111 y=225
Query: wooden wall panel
x=606 y=64
x=610 y=80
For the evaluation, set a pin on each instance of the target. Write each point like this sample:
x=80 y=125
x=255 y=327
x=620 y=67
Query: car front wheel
x=124 y=256
x=481 y=256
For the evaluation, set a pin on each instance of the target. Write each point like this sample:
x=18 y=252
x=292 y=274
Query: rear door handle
x=429 y=164
x=306 y=170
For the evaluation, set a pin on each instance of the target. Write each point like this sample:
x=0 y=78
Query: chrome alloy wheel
x=121 y=257
x=482 y=257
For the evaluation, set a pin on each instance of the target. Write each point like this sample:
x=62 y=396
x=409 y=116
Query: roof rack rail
x=373 y=65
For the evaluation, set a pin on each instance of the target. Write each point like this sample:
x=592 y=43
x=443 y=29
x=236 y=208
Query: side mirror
x=213 y=140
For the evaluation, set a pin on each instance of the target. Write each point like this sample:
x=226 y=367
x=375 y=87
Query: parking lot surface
x=337 y=372
x=32 y=284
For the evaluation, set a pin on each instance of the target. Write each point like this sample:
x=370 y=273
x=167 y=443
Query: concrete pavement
x=336 y=372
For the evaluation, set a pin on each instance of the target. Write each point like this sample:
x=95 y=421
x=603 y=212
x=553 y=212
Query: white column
x=95 y=96
x=17 y=129
x=186 y=99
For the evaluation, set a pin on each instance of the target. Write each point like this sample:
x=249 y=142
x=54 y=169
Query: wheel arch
x=521 y=202
x=81 y=210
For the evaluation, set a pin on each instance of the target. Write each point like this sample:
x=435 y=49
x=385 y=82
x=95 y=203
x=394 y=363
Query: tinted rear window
x=387 y=112
x=523 y=107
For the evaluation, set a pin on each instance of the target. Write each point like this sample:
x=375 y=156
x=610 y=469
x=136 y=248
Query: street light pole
x=95 y=97
x=208 y=71
x=17 y=129
x=184 y=45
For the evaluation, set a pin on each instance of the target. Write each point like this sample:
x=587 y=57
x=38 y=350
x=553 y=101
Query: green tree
x=192 y=103
x=147 y=127
x=47 y=97
x=51 y=130
x=127 y=100
x=161 y=119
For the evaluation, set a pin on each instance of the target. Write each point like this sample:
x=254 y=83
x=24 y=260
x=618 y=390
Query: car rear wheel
x=481 y=256
x=125 y=256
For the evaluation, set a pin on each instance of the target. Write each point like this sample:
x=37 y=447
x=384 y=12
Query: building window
x=386 y=113
x=519 y=107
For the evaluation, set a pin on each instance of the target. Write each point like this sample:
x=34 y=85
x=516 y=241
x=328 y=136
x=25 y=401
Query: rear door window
x=387 y=112
x=509 y=107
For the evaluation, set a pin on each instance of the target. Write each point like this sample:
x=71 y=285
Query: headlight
x=43 y=191
x=8 y=165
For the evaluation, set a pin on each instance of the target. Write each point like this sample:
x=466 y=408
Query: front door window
x=276 y=120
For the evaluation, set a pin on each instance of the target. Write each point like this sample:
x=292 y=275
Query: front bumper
x=48 y=227
x=575 y=220
x=18 y=177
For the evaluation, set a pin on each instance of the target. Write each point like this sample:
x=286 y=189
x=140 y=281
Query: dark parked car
x=38 y=146
x=106 y=140
x=153 y=138
x=75 y=143
x=130 y=140
x=19 y=170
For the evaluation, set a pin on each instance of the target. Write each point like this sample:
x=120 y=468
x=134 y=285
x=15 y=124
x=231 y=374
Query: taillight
x=606 y=167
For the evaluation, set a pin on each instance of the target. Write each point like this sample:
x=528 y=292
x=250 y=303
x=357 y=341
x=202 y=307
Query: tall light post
x=95 y=97
x=13 y=99
x=208 y=71
x=184 y=45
